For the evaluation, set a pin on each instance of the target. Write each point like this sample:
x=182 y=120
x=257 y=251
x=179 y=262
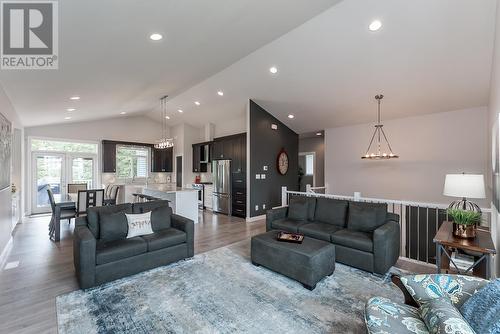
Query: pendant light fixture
x=164 y=142
x=378 y=153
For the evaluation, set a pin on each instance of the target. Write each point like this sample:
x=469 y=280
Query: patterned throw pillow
x=482 y=310
x=456 y=288
x=441 y=317
x=139 y=224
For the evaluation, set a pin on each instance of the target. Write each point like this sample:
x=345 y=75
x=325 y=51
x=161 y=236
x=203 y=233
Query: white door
x=55 y=171
x=48 y=171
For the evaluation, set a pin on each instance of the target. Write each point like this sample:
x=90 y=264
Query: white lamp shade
x=464 y=185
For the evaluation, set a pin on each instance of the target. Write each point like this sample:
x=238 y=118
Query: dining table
x=65 y=208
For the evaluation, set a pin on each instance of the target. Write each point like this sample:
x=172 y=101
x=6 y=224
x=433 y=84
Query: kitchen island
x=184 y=201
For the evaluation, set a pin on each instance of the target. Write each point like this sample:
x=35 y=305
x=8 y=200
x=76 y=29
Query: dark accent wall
x=265 y=144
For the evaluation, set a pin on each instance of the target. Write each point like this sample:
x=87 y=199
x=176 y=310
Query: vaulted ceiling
x=429 y=56
x=107 y=58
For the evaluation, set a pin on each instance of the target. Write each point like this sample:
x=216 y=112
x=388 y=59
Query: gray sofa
x=102 y=252
x=365 y=235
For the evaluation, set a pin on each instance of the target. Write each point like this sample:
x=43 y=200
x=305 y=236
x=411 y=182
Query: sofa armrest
x=393 y=217
x=386 y=243
x=84 y=254
x=275 y=214
x=80 y=221
x=186 y=225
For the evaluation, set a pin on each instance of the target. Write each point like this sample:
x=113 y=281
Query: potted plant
x=464 y=222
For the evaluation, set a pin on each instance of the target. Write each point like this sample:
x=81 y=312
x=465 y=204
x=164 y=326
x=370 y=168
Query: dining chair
x=67 y=211
x=107 y=190
x=89 y=198
x=113 y=195
x=73 y=188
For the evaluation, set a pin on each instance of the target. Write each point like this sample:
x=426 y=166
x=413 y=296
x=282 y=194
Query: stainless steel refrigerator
x=221 y=199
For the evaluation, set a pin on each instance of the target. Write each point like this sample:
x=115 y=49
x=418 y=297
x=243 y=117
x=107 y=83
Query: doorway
x=178 y=170
x=54 y=164
x=54 y=171
x=307 y=163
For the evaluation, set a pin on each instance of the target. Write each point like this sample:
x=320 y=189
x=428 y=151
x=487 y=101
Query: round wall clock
x=282 y=162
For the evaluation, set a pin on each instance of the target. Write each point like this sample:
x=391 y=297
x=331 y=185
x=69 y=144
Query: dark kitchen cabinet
x=161 y=160
x=198 y=151
x=108 y=156
x=218 y=150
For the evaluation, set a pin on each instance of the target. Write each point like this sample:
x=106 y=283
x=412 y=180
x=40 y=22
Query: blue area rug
x=222 y=292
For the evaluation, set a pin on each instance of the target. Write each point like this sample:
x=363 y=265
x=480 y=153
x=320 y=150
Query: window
x=62 y=146
x=132 y=162
x=309 y=164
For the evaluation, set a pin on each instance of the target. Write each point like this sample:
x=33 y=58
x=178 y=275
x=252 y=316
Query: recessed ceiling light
x=167 y=117
x=74 y=98
x=67 y=117
x=375 y=25
x=180 y=110
x=273 y=70
x=155 y=37
x=123 y=113
x=291 y=116
x=220 y=93
x=318 y=133
x=197 y=103
x=70 y=109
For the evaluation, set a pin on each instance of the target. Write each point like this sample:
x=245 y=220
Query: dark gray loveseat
x=365 y=235
x=102 y=252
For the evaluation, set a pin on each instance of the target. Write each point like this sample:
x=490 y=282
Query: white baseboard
x=254 y=219
x=5 y=253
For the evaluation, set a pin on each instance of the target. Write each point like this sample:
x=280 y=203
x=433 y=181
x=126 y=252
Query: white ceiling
x=430 y=56
x=107 y=58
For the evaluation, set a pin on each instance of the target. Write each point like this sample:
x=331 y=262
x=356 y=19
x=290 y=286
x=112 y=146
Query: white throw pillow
x=139 y=224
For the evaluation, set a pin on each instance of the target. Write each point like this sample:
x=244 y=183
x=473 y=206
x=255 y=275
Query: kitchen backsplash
x=108 y=178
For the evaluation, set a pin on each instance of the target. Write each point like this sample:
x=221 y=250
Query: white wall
x=230 y=127
x=7 y=109
x=429 y=146
x=138 y=128
x=494 y=111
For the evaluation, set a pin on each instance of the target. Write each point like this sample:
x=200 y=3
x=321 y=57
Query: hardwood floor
x=27 y=292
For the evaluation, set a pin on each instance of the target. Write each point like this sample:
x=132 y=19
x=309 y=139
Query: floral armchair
x=431 y=305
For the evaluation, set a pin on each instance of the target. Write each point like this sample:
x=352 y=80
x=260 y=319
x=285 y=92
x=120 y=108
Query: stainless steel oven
x=201 y=194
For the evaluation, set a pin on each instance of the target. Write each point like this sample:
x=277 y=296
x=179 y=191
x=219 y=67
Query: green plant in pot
x=464 y=222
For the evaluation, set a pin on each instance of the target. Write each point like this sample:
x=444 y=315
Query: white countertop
x=166 y=187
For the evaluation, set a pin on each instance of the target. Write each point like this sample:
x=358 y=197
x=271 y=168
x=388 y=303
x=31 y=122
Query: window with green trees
x=132 y=162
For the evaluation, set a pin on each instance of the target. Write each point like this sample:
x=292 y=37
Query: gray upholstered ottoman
x=308 y=262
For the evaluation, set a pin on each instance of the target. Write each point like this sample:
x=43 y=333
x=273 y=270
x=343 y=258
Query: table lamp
x=464 y=186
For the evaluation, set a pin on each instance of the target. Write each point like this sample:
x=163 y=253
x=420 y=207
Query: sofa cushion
x=161 y=218
x=385 y=316
x=440 y=316
x=111 y=251
x=164 y=239
x=297 y=209
x=148 y=206
x=320 y=231
x=353 y=239
x=113 y=226
x=311 y=205
x=366 y=217
x=482 y=309
x=331 y=211
x=287 y=225
x=93 y=214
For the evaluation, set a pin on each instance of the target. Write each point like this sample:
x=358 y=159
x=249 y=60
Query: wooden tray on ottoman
x=290 y=237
